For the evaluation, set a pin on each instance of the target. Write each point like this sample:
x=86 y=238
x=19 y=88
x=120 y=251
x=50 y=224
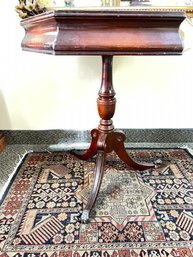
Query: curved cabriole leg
x=99 y=168
x=92 y=149
x=120 y=150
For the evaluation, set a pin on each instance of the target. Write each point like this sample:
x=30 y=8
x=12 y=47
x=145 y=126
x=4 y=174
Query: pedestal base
x=102 y=144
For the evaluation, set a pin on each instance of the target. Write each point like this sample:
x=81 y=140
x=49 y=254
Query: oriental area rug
x=137 y=213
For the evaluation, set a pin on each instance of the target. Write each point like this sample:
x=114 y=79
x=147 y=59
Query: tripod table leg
x=92 y=150
x=99 y=170
x=120 y=150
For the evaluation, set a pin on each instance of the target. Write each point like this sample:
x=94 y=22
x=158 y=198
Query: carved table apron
x=105 y=33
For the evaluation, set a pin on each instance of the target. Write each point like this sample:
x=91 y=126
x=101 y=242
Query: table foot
x=85 y=217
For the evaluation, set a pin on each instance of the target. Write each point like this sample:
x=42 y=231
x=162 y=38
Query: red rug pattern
x=137 y=213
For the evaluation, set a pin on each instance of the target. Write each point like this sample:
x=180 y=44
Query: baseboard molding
x=47 y=137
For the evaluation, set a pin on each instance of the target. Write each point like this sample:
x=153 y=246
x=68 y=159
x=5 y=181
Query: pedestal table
x=105 y=33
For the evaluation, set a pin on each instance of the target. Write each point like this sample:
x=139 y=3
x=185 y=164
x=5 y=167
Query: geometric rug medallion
x=137 y=213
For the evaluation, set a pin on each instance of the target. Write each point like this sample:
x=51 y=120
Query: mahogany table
x=105 y=33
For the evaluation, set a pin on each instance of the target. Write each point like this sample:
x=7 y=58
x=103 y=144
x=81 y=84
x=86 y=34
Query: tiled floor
x=20 y=143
